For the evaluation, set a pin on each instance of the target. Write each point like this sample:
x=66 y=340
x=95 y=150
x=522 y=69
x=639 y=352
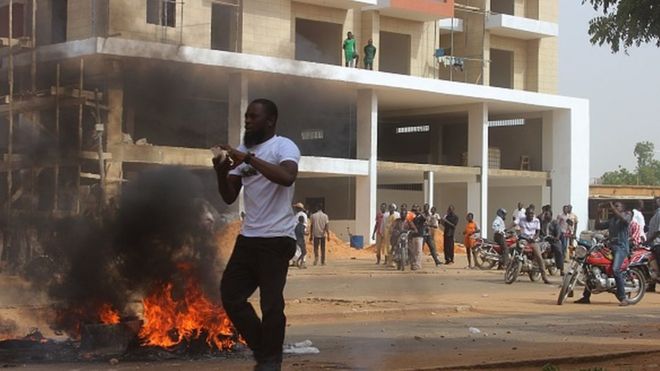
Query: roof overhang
x=395 y=92
x=418 y=10
x=520 y=28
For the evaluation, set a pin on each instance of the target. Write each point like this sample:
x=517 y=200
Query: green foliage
x=646 y=173
x=549 y=367
x=625 y=23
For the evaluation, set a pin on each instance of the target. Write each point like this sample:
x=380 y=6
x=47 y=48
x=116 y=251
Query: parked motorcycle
x=594 y=262
x=488 y=254
x=401 y=251
x=522 y=261
x=644 y=255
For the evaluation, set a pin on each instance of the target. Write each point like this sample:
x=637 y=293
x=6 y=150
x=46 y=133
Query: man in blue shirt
x=619 y=236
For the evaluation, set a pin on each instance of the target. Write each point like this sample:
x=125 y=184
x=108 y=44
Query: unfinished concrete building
x=460 y=108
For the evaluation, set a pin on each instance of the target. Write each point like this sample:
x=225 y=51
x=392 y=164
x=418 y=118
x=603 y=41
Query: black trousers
x=263 y=263
x=506 y=254
x=449 y=248
x=428 y=239
x=319 y=242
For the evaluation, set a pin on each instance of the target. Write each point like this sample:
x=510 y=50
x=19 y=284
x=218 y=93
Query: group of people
x=351 y=55
x=318 y=230
x=421 y=225
x=559 y=232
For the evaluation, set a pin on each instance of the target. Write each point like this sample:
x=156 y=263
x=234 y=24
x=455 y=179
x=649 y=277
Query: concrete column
x=429 y=185
x=478 y=156
x=570 y=160
x=370 y=30
x=367 y=149
x=113 y=131
x=474 y=201
x=238 y=103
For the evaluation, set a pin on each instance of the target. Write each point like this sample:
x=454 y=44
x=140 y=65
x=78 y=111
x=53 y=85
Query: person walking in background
x=350 y=50
x=378 y=231
x=299 y=211
x=430 y=226
x=389 y=218
x=301 y=228
x=638 y=218
x=417 y=239
x=470 y=229
x=320 y=230
x=499 y=229
x=369 y=55
x=449 y=221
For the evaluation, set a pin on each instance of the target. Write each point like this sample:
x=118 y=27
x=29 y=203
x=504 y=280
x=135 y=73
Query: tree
x=646 y=173
x=625 y=23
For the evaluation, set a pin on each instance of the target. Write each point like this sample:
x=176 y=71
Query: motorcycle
x=488 y=254
x=594 y=262
x=522 y=261
x=401 y=251
x=645 y=256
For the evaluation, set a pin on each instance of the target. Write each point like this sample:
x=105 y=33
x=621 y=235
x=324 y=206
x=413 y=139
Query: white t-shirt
x=268 y=210
x=519 y=215
x=528 y=228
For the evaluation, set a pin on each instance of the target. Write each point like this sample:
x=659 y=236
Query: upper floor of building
x=504 y=43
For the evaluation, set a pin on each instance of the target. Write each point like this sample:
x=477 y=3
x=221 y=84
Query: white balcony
x=520 y=27
x=342 y=4
x=445 y=26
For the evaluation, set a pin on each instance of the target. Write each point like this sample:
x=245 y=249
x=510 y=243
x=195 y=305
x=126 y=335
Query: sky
x=623 y=90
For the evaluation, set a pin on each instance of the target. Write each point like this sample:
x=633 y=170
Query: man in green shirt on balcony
x=350 y=51
x=369 y=55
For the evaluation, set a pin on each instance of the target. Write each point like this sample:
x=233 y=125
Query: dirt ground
x=367 y=317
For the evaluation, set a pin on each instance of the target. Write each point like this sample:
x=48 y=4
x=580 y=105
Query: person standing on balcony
x=266 y=167
x=350 y=50
x=369 y=55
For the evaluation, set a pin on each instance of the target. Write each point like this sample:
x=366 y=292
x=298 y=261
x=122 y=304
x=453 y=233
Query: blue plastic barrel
x=357 y=242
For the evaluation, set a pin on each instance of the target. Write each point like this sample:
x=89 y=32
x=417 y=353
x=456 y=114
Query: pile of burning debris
x=138 y=282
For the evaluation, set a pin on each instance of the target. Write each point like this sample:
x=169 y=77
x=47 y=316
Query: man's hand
x=237 y=156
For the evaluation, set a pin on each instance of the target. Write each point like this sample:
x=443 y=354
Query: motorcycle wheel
x=404 y=257
x=534 y=275
x=512 y=270
x=570 y=279
x=636 y=274
x=479 y=261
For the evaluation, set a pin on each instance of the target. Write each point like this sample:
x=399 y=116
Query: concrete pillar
x=570 y=160
x=474 y=201
x=238 y=101
x=370 y=30
x=478 y=156
x=113 y=130
x=429 y=185
x=367 y=149
x=237 y=91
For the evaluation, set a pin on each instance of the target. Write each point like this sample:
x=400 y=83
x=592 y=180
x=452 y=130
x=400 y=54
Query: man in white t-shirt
x=530 y=227
x=265 y=166
x=638 y=218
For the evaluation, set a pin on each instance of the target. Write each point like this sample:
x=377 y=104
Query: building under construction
x=459 y=108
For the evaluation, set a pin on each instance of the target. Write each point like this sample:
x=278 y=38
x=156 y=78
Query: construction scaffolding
x=39 y=184
x=451 y=60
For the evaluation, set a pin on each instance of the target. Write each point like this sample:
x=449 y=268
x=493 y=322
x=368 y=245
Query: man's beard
x=252 y=138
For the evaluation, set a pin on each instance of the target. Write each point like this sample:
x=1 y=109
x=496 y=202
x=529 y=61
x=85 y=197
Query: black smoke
x=113 y=257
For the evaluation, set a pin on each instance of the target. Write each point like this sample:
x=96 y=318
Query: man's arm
x=622 y=216
x=327 y=231
x=229 y=186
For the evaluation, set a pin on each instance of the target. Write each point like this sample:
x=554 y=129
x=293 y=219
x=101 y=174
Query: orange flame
x=107 y=315
x=168 y=322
